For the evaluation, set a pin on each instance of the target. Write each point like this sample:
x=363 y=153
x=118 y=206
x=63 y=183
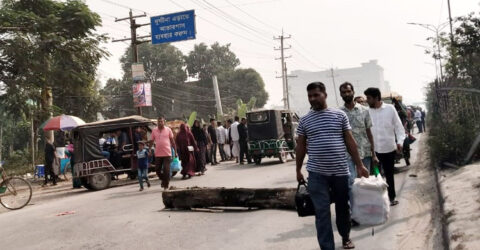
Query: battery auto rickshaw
x=95 y=164
x=271 y=133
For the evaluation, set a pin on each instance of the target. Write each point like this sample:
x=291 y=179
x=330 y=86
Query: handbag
x=303 y=202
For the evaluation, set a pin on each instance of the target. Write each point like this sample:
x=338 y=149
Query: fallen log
x=261 y=198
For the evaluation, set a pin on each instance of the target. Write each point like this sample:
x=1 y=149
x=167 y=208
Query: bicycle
x=15 y=192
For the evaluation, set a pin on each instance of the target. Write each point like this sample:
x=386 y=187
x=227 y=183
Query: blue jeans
x=322 y=190
x=142 y=174
x=367 y=161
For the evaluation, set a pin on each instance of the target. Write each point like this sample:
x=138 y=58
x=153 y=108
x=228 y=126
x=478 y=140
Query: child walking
x=142 y=156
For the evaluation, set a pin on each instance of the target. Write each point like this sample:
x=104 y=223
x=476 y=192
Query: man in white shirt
x=388 y=135
x=418 y=120
x=221 y=140
x=235 y=138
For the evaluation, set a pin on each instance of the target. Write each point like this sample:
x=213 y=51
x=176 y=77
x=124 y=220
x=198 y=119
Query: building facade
x=369 y=74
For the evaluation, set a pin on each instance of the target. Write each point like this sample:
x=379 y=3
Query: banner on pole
x=138 y=73
x=142 y=94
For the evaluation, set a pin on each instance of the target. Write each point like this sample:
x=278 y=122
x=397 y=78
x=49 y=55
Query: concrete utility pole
x=284 y=73
x=286 y=84
x=332 y=75
x=218 y=100
x=134 y=42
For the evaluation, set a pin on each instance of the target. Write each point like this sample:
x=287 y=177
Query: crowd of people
x=347 y=143
x=196 y=147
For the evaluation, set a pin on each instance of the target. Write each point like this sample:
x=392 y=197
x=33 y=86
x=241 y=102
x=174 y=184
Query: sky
x=324 y=34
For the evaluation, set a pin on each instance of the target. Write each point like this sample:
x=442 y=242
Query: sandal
x=348 y=244
x=393 y=203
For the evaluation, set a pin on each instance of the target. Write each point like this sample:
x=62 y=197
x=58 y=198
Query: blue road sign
x=173 y=27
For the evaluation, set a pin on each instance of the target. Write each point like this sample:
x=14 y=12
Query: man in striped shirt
x=326 y=135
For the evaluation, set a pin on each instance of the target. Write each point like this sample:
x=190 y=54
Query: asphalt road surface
x=124 y=218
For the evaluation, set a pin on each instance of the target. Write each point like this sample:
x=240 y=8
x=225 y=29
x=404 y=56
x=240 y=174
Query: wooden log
x=261 y=198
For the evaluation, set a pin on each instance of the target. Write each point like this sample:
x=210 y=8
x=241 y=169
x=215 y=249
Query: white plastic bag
x=371 y=205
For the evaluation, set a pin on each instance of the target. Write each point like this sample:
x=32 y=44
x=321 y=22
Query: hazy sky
x=325 y=34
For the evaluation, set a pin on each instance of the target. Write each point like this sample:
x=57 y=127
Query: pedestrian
x=423 y=120
x=202 y=143
x=388 y=136
x=209 y=143
x=418 y=120
x=187 y=147
x=142 y=164
x=243 y=141
x=228 y=141
x=50 y=155
x=361 y=123
x=360 y=100
x=410 y=115
x=235 y=138
x=221 y=139
x=162 y=137
x=212 y=131
x=326 y=135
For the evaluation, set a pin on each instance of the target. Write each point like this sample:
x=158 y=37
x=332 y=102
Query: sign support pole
x=133 y=39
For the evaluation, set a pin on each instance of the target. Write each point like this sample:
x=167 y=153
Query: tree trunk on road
x=280 y=198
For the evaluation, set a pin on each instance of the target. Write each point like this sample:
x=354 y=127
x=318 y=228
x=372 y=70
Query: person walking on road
x=142 y=164
x=424 y=128
x=326 y=135
x=360 y=121
x=212 y=131
x=221 y=139
x=228 y=141
x=243 y=135
x=235 y=138
x=187 y=147
x=202 y=142
x=162 y=137
x=388 y=136
x=418 y=120
x=50 y=155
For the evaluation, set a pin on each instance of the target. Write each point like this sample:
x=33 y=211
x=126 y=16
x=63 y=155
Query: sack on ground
x=371 y=205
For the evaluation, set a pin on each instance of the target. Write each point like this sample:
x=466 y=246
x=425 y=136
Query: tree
x=47 y=43
x=204 y=62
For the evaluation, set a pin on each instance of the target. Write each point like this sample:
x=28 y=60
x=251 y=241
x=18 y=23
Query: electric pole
x=332 y=75
x=286 y=84
x=134 y=39
x=284 y=73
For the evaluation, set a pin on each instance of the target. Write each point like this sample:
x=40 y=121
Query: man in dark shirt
x=243 y=133
x=213 y=136
x=49 y=159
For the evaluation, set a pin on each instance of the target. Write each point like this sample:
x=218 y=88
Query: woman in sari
x=186 y=147
x=202 y=143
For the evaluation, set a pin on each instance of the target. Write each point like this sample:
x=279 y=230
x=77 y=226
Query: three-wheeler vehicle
x=272 y=133
x=94 y=164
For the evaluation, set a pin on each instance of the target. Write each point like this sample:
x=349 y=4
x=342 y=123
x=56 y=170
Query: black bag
x=303 y=202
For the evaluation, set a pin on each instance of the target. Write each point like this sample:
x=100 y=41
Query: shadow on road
x=307 y=231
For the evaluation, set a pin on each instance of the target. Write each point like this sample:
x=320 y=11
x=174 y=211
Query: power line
x=252 y=16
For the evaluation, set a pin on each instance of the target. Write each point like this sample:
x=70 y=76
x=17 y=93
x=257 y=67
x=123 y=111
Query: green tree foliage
x=204 y=62
x=47 y=43
x=165 y=68
x=456 y=126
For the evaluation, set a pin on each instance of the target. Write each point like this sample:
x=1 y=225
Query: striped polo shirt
x=325 y=142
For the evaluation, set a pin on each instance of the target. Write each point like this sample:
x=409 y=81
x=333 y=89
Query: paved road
x=124 y=218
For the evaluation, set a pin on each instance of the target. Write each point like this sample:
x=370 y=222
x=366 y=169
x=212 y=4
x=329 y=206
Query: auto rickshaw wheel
x=282 y=155
x=257 y=159
x=100 y=180
x=84 y=181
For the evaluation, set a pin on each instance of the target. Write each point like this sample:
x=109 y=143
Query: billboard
x=142 y=94
x=173 y=27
